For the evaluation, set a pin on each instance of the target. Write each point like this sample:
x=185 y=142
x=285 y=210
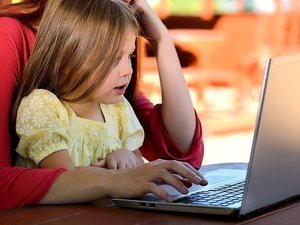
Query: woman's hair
x=77 y=44
x=28 y=12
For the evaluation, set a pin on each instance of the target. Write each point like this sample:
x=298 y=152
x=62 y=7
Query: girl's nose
x=126 y=69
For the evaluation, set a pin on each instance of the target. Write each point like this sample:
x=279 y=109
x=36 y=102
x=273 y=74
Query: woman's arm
x=90 y=183
x=158 y=144
x=24 y=186
x=178 y=114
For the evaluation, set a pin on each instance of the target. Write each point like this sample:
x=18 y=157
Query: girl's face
x=114 y=86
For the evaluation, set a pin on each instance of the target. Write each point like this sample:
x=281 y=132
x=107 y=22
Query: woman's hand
x=146 y=178
x=152 y=27
x=90 y=183
x=121 y=159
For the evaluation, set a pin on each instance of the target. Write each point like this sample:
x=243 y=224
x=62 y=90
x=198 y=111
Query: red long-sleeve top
x=22 y=186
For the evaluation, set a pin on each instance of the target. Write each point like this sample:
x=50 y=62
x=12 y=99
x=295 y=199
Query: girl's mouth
x=120 y=89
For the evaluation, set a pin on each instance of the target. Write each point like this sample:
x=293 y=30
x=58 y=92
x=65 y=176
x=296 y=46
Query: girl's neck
x=87 y=110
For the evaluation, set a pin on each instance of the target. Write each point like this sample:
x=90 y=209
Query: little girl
x=70 y=110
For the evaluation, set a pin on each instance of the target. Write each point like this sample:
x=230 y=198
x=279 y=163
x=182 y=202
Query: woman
x=20 y=187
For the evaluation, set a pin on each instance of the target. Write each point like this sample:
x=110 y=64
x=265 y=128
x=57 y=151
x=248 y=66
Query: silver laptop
x=273 y=171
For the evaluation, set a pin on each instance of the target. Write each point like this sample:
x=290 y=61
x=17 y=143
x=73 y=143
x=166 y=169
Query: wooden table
x=105 y=212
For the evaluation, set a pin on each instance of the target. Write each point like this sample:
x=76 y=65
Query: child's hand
x=121 y=159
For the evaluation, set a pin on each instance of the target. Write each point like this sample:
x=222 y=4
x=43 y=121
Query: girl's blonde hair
x=77 y=44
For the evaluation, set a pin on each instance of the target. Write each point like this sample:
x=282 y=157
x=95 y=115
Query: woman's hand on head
x=121 y=159
x=146 y=178
x=152 y=27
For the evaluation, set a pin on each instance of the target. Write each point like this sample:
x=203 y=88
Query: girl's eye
x=132 y=55
x=118 y=59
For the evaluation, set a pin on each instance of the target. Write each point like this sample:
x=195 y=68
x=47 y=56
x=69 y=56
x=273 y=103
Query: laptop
x=273 y=172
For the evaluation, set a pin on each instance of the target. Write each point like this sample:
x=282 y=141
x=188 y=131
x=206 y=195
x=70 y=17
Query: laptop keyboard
x=224 y=195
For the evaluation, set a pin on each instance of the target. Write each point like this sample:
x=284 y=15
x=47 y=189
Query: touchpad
x=213 y=179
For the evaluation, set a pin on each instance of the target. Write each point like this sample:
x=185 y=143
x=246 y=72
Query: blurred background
x=223 y=46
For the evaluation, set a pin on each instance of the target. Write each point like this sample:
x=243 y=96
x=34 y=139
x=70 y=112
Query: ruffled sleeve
x=42 y=125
